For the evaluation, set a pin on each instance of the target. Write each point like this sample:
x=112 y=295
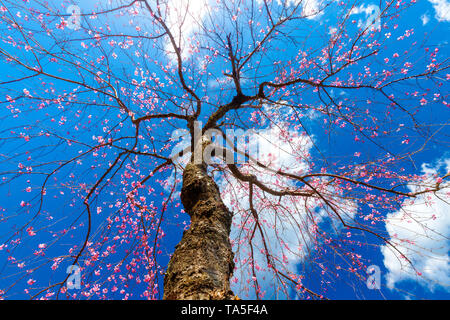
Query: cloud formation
x=421 y=230
x=442 y=8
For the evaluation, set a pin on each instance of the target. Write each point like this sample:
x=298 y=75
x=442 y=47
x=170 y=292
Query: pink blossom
x=30 y=231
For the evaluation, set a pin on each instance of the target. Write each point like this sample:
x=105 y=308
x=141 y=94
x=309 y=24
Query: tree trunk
x=202 y=264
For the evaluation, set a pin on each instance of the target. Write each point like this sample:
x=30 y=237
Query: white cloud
x=442 y=8
x=311 y=9
x=425 y=19
x=372 y=16
x=183 y=18
x=290 y=223
x=421 y=230
x=288 y=228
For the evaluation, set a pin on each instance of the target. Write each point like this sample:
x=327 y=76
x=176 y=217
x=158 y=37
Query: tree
x=118 y=113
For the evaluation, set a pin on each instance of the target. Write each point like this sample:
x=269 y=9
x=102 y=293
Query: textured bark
x=202 y=264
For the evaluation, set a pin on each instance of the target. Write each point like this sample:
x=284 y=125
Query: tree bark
x=202 y=264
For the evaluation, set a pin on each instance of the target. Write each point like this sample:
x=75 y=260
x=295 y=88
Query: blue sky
x=429 y=20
